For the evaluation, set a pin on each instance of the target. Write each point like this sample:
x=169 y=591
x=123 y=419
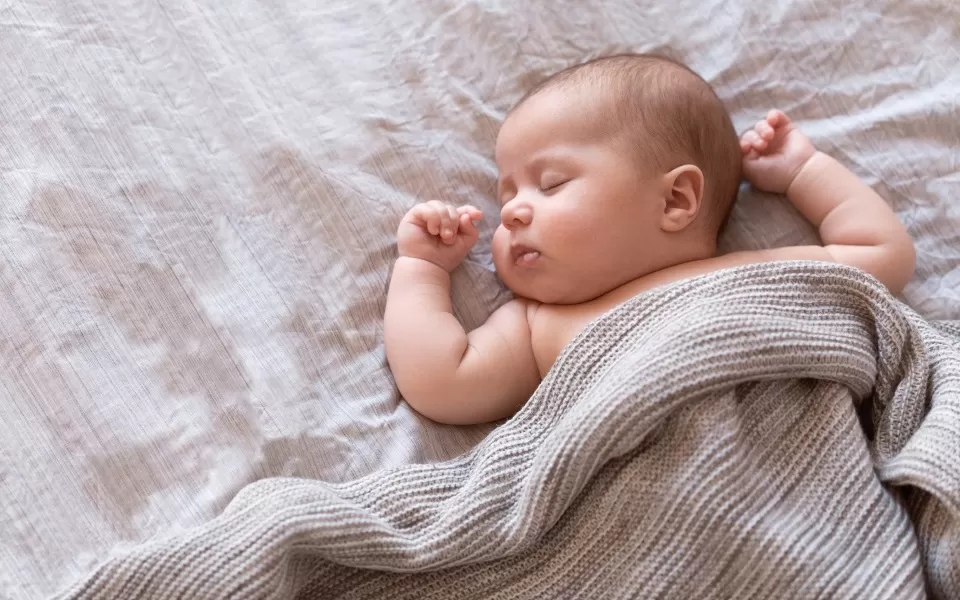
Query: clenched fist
x=439 y=233
x=774 y=151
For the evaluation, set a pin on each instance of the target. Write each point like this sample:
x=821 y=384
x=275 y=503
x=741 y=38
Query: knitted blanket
x=771 y=431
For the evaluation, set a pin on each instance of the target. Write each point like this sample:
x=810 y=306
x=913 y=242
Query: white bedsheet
x=199 y=201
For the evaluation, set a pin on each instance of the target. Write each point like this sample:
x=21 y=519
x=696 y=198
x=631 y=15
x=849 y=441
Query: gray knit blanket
x=785 y=430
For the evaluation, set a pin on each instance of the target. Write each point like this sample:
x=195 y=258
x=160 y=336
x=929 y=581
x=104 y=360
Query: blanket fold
x=706 y=439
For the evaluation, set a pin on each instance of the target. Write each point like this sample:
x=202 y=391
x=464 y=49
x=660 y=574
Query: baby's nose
x=514 y=214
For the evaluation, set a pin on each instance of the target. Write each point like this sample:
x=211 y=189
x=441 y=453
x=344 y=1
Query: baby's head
x=609 y=171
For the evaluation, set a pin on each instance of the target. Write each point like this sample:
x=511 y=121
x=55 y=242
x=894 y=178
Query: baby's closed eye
x=553 y=181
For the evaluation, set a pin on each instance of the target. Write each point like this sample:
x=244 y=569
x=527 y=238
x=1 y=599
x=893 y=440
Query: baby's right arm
x=443 y=372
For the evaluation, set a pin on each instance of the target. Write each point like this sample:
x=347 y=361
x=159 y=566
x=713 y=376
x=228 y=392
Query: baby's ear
x=683 y=198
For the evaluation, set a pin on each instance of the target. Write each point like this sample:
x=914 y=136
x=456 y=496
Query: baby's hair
x=673 y=116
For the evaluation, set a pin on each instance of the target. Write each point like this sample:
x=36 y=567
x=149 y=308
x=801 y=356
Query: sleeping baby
x=615 y=178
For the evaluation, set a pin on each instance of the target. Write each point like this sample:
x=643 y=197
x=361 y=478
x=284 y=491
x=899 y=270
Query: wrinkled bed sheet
x=199 y=202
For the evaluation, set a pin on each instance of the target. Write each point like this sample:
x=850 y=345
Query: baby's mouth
x=524 y=256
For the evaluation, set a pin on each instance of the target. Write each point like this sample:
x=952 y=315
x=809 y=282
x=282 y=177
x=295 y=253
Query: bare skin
x=582 y=230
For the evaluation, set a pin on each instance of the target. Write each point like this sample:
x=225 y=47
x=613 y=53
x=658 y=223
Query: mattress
x=199 y=203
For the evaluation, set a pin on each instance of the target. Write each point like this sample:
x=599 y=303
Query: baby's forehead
x=556 y=118
x=558 y=110
x=580 y=99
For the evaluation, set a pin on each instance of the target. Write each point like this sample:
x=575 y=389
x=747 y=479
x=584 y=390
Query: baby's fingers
x=764 y=130
x=777 y=119
x=467 y=228
x=751 y=141
x=468 y=209
x=440 y=221
x=450 y=224
x=426 y=216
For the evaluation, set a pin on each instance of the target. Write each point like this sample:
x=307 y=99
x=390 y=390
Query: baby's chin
x=547 y=284
x=546 y=290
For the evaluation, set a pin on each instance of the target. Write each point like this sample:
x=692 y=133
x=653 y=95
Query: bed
x=199 y=206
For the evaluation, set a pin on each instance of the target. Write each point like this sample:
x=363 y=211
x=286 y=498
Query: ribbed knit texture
x=772 y=431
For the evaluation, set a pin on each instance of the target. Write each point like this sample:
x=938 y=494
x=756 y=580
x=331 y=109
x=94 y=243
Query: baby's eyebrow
x=563 y=156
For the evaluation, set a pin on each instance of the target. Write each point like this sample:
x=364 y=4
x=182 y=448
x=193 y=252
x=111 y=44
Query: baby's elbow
x=434 y=410
x=430 y=398
x=902 y=261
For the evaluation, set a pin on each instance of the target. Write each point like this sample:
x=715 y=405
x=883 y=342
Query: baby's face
x=579 y=217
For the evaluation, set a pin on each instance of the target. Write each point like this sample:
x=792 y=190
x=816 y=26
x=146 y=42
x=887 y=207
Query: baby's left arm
x=856 y=225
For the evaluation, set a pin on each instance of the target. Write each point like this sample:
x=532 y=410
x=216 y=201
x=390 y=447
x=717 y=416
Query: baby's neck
x=686 y=251
x=658 y=272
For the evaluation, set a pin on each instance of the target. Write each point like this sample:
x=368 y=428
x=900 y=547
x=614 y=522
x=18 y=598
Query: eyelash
x=554 y=186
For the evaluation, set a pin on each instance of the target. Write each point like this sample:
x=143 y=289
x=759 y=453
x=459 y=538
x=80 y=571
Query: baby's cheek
x=574 y=226
x=500 y=238
x=500 y=244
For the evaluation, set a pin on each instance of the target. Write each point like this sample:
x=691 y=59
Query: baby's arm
x=443 y=372
x=856 y=225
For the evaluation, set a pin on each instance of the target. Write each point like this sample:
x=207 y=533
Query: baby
x=615 y=177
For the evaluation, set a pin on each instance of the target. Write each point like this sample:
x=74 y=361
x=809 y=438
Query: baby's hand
x=438 y=233
x=774 y=151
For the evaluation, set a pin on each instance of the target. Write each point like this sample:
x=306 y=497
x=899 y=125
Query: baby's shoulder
x=730 y=260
